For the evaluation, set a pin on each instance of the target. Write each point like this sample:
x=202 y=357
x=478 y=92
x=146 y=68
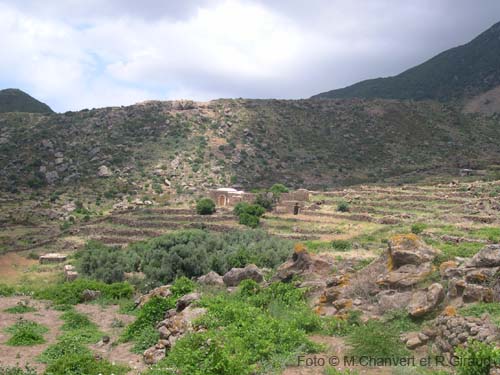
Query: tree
x=205 y=206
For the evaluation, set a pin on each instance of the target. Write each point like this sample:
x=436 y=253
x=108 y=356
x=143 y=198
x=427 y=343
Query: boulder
x=489 y=256
x=187 y=300
x=236 y=275
x=162 y=291
x=405 y=276
x=104 y=171
x=389 y=300
x=154 y=355
x=425 y=301
x=409 y=249
x=211 y=278
x=304 y=264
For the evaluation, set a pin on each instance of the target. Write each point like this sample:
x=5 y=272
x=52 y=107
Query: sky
x=76 y=54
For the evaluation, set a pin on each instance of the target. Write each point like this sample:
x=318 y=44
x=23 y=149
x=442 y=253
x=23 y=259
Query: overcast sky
x=75 y=54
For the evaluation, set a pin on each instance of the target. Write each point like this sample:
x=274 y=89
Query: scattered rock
x=423 y=302
x=90 y=295
x=306 y=265
x=211 y=278
x=187 y=300
x=409 y=249
x=236 y=275
x=104 y=171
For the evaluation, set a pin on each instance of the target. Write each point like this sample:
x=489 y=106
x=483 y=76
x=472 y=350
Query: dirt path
x=22 y=355
x=106 y=318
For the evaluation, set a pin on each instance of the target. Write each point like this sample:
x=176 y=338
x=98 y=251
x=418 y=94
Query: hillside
x=14 y=100
x=252 y=143
x=464 y=71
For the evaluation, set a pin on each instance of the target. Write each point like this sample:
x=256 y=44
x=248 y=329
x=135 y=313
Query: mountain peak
x=461 y=72
x=15 y=100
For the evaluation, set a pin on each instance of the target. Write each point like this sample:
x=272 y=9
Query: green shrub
x=343 y=206
x=205 y=206
x=26 y=333
x=70 y=293
x=477 y=358
x=341 y=245
x=83 y=364
x=264 y=201
x=278 y=189
x=337 y=326
x=376 y=339
x=67 y=345
x=144 y=339
x=248 y=220
x=190 y=253
x=246 y=332
x=418 y=228
x=6 y=290
x=249 y=214
x=20 y=309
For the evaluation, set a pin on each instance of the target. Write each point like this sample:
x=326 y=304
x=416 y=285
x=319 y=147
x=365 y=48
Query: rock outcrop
x=211 y=278
x=236 y=275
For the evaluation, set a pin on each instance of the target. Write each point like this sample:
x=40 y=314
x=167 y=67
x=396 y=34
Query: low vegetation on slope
x=188 y=253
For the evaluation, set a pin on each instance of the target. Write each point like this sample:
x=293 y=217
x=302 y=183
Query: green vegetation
x=17 y=371
x=6 y=290
x=478 y=309
x=333 y=371
x=278 y=189
x=249 y=214
x=26 y=333
x=418 y=228
x=343 y=206
x=80 y=364
x=205 y=206
x=477 y=358
x=20 y=309
x=70 y=293
x=376 y=339
x=254 y=330
x=142 y=331
x=188 y=253
x=341 y=245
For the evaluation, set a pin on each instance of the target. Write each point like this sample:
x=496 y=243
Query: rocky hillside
x=185 y=146
x=464 y=71
x=14 y=100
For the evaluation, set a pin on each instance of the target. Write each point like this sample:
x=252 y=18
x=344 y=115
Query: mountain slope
x=302 y=143
x=15 y=100
x=464 y=71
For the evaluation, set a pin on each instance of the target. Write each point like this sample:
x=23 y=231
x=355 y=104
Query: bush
x=26 y=333
x=191 y=253
x=80 y=364
x=278 y=189
x=247 y=332
x=343 y=206
x=67 y=345
x=418 y=228
x=264 y=201
x=205 y=206
x=249 y=214
x=70 y=293
x=376 y=339
x=341 y=245
x=477 y=358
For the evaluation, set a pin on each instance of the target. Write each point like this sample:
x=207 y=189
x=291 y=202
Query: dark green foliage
x=26 y=333
x=103 y=263
x=145 y=338
x=205 y=206
x=418 y=228
x=341 y=245
x=263 y=200
x=189 y=253
x=477 y=358
x=83 y=364
x=249 y=214
x=70 y=293
x=376 y=339
x=457 y=72
x=6 y=290
x=248 y=332
x=278 y=189
x=343 y=206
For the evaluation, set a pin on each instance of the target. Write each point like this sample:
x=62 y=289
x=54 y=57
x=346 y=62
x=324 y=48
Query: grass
x=478 y=309
x=26 y=333
x=20 y=309
x=17 y=370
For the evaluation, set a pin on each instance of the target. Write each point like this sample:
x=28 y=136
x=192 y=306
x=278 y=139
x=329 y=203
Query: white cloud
x=76 y=54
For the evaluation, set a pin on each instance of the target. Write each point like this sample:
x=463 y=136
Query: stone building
x=230 y=197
